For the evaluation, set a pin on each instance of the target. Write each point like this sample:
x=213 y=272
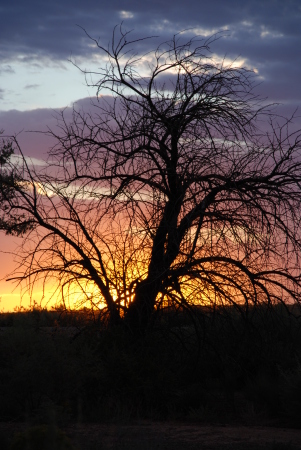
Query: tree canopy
x=179 y=187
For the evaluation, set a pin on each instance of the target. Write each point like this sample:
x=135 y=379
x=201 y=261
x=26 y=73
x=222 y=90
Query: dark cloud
x=49 y=29
x=31 y=127
x=265 y=34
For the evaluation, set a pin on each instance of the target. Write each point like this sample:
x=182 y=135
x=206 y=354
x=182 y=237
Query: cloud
x=6 y=69
x=50 y=28
x=28 y=127
x=31 y=127
x=31 y=86
x=126 y=15
x=266 y=35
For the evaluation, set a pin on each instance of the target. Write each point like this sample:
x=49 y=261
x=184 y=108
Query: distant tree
x=168 y=192
x=9 y=178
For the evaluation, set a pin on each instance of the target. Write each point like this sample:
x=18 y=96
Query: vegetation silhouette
x=57 y=364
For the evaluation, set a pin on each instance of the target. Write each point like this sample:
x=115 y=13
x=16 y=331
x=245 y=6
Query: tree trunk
x=140 y=311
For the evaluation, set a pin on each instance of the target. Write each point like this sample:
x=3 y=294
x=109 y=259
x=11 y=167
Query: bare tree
x=178 y=188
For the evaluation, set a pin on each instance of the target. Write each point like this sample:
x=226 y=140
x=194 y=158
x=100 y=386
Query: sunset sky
x=38 y=40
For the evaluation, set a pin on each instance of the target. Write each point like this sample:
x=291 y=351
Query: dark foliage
x=223 y=371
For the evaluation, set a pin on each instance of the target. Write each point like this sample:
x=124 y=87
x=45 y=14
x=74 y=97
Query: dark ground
x=146 y=435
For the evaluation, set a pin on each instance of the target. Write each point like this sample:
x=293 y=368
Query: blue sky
x=38 y=40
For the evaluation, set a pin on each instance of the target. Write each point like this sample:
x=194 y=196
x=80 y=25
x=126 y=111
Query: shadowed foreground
x=169 y=436
x=214 y=383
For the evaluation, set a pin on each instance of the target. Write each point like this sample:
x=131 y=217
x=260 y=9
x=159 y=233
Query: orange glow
x=12 y=297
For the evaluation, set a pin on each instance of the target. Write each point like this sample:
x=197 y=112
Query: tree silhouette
x=178 y=187
x=9 y=178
